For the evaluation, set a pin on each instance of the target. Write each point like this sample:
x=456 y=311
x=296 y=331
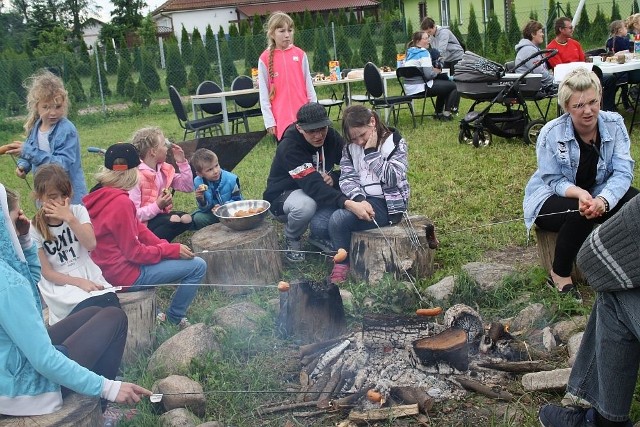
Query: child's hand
x=20 y=173
x=88 y=286
x=15 y=148
x=185 y=252
x=22 y=224
x=200 y=191
x=164 y=199
x=215 y=208
x=178 y=153
x=58 y=211
x=372 y=142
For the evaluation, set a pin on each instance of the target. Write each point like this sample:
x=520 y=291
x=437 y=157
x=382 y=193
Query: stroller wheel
x=532 y=130
x=481 y=138
x=464 y=136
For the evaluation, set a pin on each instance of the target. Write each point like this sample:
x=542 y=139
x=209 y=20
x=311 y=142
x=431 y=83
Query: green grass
x=474 y=196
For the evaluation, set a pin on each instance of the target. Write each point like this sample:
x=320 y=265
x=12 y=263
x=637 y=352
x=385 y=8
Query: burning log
x=449 y=346
x=311 y=311
x=494 y=393
x=380 y=331
x=384 y=413
x=316 y=347
x=411 y=395
x=285 y=407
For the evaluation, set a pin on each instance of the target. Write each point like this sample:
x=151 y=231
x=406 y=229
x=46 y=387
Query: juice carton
x=334 y=70
x=254 y=77
x=400 y=60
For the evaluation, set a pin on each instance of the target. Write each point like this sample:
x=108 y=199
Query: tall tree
x=321 y=52
x=491 y=33
x=235 y=42
x=551 y=17
x=185 y=46
x=368 y=51
x=111 y=58
x=615 y=11
x=389 y=50
x=474 y=41
x=210 y=44
x=200 y=63
x=599 y=30
x=128 y=13
x=514 y=32
x=345 y=54
x=583 y=29
x=148 y=73
x=251 y=54
x=176 y=72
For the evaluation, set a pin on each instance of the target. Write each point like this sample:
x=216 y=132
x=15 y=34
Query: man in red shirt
x=569 y=50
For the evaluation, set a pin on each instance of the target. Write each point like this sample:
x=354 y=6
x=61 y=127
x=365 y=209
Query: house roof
x=263 y=7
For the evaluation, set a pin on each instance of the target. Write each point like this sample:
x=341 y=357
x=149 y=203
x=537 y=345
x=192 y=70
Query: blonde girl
x=284 y=78
x=64 y=237
x=51 y=137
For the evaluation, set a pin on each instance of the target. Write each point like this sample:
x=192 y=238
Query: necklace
x=561 y=43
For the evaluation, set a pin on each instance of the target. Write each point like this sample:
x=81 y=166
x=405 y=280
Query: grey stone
x=174 y=355
x=179 y=417
x=548 y=339
x=443 y=289
x=488 y=275
x=529 y=318
x=565 y=328
x=546 y=380
x=243 y=315
x=573 y=345
x=274 y=306
x=181 y=392
x=211 y=424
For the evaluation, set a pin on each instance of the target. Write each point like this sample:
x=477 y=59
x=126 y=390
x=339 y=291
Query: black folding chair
x=403 y=73
x=379 y=99
x=247 y=102
x=196 y=125
x=215 y=108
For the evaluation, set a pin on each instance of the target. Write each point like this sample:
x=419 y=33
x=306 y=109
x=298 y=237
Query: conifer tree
x=200 y=64
x=84 y=59
x=551 y=17
x=356 y=61
x=305 y=39
x=514 y=32
x=615 y=11
x=344 y=55
x=568 y=11
x=474 y=41
x=137 y=58
x=124 y=71
x=73 y=84
x=235 y=42
x=410 y=28
x=504 y=49
x=210 y=44
x=634 y=7
x=599 y=32
x=491 y=35
x=389 y=51
x=111 y=58
x=176 y=72
x=148 y=73
x=141 y=94
x=129 y=87
x=95 y=82
x=192 y=82
x=455 y=29
x=583 y=29
x=244 y=28
x=259 y=36
x=321 y=52
x=533 y=15
x=229 y=70
x=368 y=52
x=251 y=54
x=341 y=18
x=185 y=46
x=125 y=53
x=196 y=38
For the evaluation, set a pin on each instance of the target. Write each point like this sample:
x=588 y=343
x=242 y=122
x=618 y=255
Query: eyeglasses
x=319 y=130
x=570 y=27
x=591 y=104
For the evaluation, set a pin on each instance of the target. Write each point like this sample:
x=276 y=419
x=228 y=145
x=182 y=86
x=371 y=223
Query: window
x=444 y=13
x=422 y=10
x=459 y=11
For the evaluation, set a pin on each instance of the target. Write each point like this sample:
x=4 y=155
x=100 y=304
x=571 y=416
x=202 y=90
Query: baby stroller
x=482 y=80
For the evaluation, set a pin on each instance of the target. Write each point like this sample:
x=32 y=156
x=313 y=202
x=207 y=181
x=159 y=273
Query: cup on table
x=596 y=59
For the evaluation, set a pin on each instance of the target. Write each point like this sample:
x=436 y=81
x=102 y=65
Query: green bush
x=474 y=41
x=141 y=95
x=185 y=46
x=129 y=87
x=124 y=71
x=111 y=59
x=389 y=51
x=13 y=104
x=101 y=85
x=148 y=73
x=321 y=53
x=368 y=51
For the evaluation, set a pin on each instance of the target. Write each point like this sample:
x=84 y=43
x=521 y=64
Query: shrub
x=210 y=44
x=321 y=53
x=129 y=87
x=368 y=52
x=148 y=73
x=13 y=104
x=251 y=55
x=124 y=71
x=97 y=84
x=185 y=46
x=141 y=94
x=389 y=51
x=111 y=58
x=176 y=71
x=474 y=41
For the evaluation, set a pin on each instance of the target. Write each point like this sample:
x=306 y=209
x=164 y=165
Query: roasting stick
x=207 y=251
x=157 y=397
x=490 y=224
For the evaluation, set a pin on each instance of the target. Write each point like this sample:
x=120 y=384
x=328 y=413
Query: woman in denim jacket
x=584 y=173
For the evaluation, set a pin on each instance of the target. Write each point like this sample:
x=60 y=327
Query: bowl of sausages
x=243 y=215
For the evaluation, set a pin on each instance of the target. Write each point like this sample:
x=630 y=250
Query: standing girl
x=51 y=137
x=373 y=171
x=284 y=79
x=64 y=237
x=153 y=196
x=128 y=253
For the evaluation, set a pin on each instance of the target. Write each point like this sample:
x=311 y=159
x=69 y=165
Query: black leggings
x=572 y=228
x=93 y=337
x=446 y=94
x=165 y=229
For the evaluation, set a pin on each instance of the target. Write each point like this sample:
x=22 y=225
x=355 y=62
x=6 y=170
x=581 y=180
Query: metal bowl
x=226 y=212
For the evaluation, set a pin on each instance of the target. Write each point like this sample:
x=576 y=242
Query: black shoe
x=573 y=416
x=569 y=289
x=444 y=117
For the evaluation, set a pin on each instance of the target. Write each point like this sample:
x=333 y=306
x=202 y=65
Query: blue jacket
x=64 y=145
x=558 y=156
x=226 y=189
x=31 y=368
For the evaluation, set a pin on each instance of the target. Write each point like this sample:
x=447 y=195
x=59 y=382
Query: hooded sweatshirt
x=421 y=58
x=526 y=48
x=447 y=44
x=123 y=242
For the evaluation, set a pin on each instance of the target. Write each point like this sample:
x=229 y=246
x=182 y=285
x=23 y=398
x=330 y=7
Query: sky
x=107 y=7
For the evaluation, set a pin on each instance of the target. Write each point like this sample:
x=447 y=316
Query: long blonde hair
x=49 y=176
x=43 y=86
x=124 y=180
x=146 y=139
x=276 y=20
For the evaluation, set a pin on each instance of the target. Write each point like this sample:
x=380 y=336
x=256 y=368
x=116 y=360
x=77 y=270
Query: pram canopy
x=475 y=68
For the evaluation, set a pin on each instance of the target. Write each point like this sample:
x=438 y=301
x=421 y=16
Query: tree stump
x=371 y=256
x=140 y=308
x=311 y=312
x=77 y=411
x=448 y=346
x=546 y=245
x=249 y=257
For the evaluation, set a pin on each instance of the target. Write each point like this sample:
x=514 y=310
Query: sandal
x=568 y=289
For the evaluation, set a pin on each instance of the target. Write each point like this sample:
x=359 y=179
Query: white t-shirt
x=66 y=255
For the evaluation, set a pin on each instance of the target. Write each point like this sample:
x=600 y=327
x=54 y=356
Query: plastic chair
x=379 y=99
x=246 y=102
x=403 y=73
x=196 y=125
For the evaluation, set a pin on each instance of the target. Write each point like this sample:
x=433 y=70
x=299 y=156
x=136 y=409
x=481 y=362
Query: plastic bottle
x=636 y=46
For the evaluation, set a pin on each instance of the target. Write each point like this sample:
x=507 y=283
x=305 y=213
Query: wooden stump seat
x=546 y=245
x=77 y=411
x=249 y=257
x=389 y=250
x=140 y=308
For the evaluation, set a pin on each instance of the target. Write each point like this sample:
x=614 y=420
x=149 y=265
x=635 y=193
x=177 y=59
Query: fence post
x=162 y=60
x=333 y=36
x=104 y=107
x=219 y=61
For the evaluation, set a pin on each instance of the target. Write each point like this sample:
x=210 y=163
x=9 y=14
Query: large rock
x=546 y=380
x=488 y=275
x=443 y=289
x=174 y=355
x=181 y=392
x=179 y=417
x=565 y=328
x=243 y=315
x=531 y=317
x=211 y=424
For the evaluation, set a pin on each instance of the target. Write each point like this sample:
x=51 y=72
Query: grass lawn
x=474 y=196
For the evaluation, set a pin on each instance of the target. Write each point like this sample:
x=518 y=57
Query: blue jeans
x=606 y=366
x=187 y=272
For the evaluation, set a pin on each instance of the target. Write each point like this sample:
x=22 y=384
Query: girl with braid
x=284 y=79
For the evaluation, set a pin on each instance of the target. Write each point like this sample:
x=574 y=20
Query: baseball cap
x=312 y=116
x=124 y=151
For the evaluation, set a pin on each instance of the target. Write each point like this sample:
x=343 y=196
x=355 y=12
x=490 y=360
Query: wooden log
x=518 y=367
x=384 y=413
x=305 y=373
x=285 y=407
x=410 y=395
x=546 y=245
x=140 y=308
x=449 y=346
x=389 y=250
x=333 y=382
x=311 y=312
x=477 y=387
x=317 y=387
x=77 y=411
x=315 y=347
x=247 y=257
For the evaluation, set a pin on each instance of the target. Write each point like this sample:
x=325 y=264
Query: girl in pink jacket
x=284 y=79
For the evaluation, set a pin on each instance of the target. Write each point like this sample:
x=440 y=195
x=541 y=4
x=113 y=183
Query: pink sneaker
x=339 y=273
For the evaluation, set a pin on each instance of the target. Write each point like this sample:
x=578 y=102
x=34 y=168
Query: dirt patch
x=517 y=256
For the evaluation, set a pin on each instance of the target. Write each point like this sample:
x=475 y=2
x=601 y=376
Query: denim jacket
x=558 y=156
x=64 y=146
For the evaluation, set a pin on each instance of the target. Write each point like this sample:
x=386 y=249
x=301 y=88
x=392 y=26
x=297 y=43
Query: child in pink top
x=157 y=179
x=284 y=79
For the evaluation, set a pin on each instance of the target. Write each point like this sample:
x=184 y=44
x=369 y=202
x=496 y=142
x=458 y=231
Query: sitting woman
x=532 y=37
x=584 y=172
x=447 y=98
x=82 y=352
x=373 y=171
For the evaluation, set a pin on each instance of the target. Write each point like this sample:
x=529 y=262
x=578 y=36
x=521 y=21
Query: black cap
x=312 y=116
x=121 y=150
